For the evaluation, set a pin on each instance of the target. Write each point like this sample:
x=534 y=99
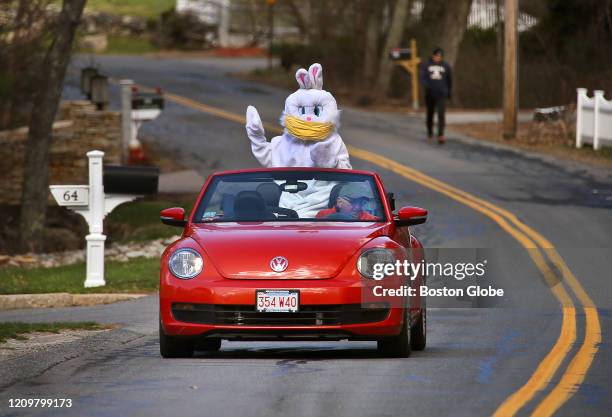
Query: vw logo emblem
x=279 y=264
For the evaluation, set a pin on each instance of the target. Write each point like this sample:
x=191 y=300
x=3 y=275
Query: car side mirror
x=174 y=216
x=409 y=216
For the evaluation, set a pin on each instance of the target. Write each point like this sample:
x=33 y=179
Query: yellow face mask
x=308 y=130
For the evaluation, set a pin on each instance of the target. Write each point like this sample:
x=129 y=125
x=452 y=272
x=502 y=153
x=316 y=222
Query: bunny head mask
x=311 y=113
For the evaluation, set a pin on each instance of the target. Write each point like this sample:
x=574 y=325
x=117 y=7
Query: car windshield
x=291 y=196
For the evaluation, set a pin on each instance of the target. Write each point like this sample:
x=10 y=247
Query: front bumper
x=330 y=309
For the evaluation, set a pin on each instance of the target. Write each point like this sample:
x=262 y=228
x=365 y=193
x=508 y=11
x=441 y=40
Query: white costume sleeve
x=262 y=149
x=330 y=153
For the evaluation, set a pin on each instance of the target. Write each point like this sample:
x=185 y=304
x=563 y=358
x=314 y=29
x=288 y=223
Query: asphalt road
x=476 y=357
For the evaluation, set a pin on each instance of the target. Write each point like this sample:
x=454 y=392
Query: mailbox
x=136 y=108
x=135 y=180
x=397 y=54
x=408 y=58
x=99 y=91
x=147 y=101
x=548 y=113
x=109 y=186
x=87 y=74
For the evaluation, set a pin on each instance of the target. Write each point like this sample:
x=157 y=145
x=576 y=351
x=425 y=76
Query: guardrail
x=593 y=119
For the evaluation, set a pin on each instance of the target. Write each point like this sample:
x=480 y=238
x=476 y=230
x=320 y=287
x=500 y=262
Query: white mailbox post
x=93 y=204
x=136 y=108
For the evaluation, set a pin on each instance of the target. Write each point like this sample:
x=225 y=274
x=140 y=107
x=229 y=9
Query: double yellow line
x=541 y=251
x=539 y=248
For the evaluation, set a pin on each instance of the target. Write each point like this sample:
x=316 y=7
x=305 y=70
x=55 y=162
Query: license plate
x=277 y=301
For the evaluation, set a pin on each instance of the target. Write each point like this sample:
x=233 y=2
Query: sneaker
x=441 y=140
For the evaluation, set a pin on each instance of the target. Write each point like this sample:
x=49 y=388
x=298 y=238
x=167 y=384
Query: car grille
x=309 y=315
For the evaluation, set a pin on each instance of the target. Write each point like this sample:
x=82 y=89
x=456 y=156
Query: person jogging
x=436 y=78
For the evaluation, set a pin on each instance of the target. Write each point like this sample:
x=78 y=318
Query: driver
x=351 y=203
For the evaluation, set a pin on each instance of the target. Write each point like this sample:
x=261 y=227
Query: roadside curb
x=577 y=167
x=62 y=299
x=35 y=363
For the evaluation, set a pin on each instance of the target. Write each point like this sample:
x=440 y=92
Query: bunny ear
x=316 y=74
x=303 y=79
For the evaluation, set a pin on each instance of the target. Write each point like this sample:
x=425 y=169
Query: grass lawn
x=123 y=45
x=136 y=276
x=142 y=8
x=17 y=330
x=139 y=220
x=120 y=45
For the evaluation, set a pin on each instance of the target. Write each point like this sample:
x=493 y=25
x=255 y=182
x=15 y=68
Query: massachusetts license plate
x=277 y=301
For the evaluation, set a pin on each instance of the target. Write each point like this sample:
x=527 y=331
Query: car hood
x=314 y=250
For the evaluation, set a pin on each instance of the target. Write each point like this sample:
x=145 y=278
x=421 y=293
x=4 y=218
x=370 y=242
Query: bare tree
x=301 y=13
x=373 y=19
x=394 y=36
x=46 y=102
x=443 y=24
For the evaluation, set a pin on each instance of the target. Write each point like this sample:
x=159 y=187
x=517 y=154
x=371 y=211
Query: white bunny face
x=310 y=103
x=312 y=106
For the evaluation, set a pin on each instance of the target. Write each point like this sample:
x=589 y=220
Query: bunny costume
x=310 y=120
x=310 y=139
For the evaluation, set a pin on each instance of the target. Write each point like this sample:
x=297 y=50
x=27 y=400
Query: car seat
x=250 y=206
x=271 y=193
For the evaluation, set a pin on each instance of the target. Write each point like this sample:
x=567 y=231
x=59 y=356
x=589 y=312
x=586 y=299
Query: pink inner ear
x=314 y=71
x=302 y=78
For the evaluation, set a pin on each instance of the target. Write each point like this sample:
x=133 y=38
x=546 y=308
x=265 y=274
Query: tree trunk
x=444 y=23
x=370 y=48
x=394 y=37
x=36 y=167
x=11 y=60
x=301 y=13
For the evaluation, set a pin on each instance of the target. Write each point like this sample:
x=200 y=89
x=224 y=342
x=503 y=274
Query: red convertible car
x=291 y=254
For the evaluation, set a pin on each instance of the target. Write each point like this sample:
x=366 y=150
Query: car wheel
x=418 y=332
x=397 y=346
x=174 y=347
x=208 y=345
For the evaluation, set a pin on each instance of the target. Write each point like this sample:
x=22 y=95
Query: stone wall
x=80 y=128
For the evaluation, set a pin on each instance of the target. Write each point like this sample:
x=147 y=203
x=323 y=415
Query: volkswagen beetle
x=290 y=254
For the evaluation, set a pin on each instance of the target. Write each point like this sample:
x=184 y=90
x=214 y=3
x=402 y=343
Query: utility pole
x=510 y=68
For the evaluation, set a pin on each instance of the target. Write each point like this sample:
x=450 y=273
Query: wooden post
x=510 y=68
x=415 y=74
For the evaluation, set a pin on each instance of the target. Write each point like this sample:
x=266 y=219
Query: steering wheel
x=284 y=212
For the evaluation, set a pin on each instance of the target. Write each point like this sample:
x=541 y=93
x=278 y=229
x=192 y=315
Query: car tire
x=208 y=345
x=174 y=347
x=397 y=346
x=418 y=332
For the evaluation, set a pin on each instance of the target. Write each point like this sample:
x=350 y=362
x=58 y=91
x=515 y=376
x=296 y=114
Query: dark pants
x=435 y=104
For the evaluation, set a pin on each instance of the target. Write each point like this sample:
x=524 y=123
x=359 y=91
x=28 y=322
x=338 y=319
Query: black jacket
x=436 y=79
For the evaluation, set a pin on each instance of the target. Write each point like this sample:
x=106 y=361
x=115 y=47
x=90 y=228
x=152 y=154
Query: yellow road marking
x=583 y=359
x=532 y=241
x=576 y=371
x=553 y=360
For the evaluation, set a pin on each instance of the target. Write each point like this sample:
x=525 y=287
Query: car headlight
x=185 y=263
x=371 y=257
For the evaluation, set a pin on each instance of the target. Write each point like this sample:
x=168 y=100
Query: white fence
x=593 y=119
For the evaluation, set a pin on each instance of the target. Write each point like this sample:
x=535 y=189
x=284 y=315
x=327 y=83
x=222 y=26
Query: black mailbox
x=135 y=180
x=397 y=54
x=87 y=74
x=147 y=101
x=99 y=91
